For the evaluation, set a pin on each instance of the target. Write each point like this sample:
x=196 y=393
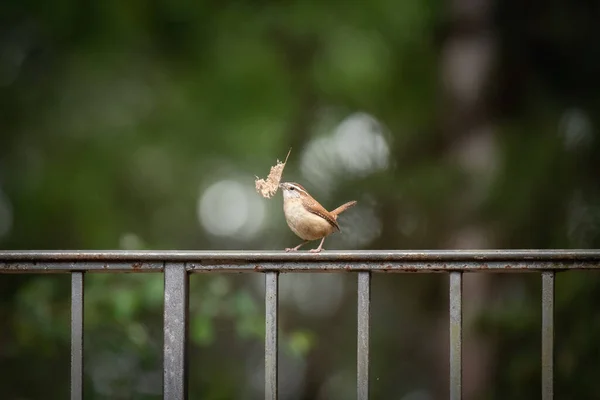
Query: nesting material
x=268 y=187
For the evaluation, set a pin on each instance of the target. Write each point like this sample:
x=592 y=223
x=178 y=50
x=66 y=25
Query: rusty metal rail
x=177 y=265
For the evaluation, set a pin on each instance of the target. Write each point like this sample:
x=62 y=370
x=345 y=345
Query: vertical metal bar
x=548 y=335
x=77 y=335
x=175 y=332
x=456 y=285
x=363 y=332
x=271 y=324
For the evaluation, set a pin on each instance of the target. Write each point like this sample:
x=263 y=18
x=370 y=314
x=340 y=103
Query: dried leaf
x=267 y=188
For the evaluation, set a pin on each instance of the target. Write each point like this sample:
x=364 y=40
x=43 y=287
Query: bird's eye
x=292 y=188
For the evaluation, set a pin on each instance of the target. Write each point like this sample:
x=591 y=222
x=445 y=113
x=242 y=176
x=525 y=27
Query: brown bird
x=306 y=217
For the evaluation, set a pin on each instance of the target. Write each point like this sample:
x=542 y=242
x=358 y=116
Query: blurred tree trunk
x=466 y=58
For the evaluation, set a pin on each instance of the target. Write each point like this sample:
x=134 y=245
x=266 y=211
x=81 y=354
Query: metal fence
x=177 y=266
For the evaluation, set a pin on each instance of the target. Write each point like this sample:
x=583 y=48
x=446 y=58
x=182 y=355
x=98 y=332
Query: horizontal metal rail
x=177 y=266
x=330 y=261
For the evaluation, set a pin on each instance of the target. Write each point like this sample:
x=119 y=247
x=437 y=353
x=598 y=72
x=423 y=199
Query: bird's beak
x=281 y=186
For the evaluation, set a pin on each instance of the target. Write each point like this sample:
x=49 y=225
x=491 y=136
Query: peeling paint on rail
x=384 y=262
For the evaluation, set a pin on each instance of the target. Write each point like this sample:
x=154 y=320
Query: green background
x=142 y=125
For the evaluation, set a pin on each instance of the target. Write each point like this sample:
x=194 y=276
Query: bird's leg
x=318 y=249
x=288 y=249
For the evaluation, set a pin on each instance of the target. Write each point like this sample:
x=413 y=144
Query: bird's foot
x=288 y=249
x=318 y=249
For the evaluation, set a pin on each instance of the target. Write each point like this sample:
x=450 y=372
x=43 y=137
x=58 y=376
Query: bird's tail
x=342 y=208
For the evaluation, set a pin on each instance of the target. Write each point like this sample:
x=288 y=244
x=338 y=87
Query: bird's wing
x=314 y=207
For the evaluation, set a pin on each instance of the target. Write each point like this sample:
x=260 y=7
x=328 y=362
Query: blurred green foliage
x=116 y=117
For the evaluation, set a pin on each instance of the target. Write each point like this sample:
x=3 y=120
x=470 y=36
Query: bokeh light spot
x=229 y=209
